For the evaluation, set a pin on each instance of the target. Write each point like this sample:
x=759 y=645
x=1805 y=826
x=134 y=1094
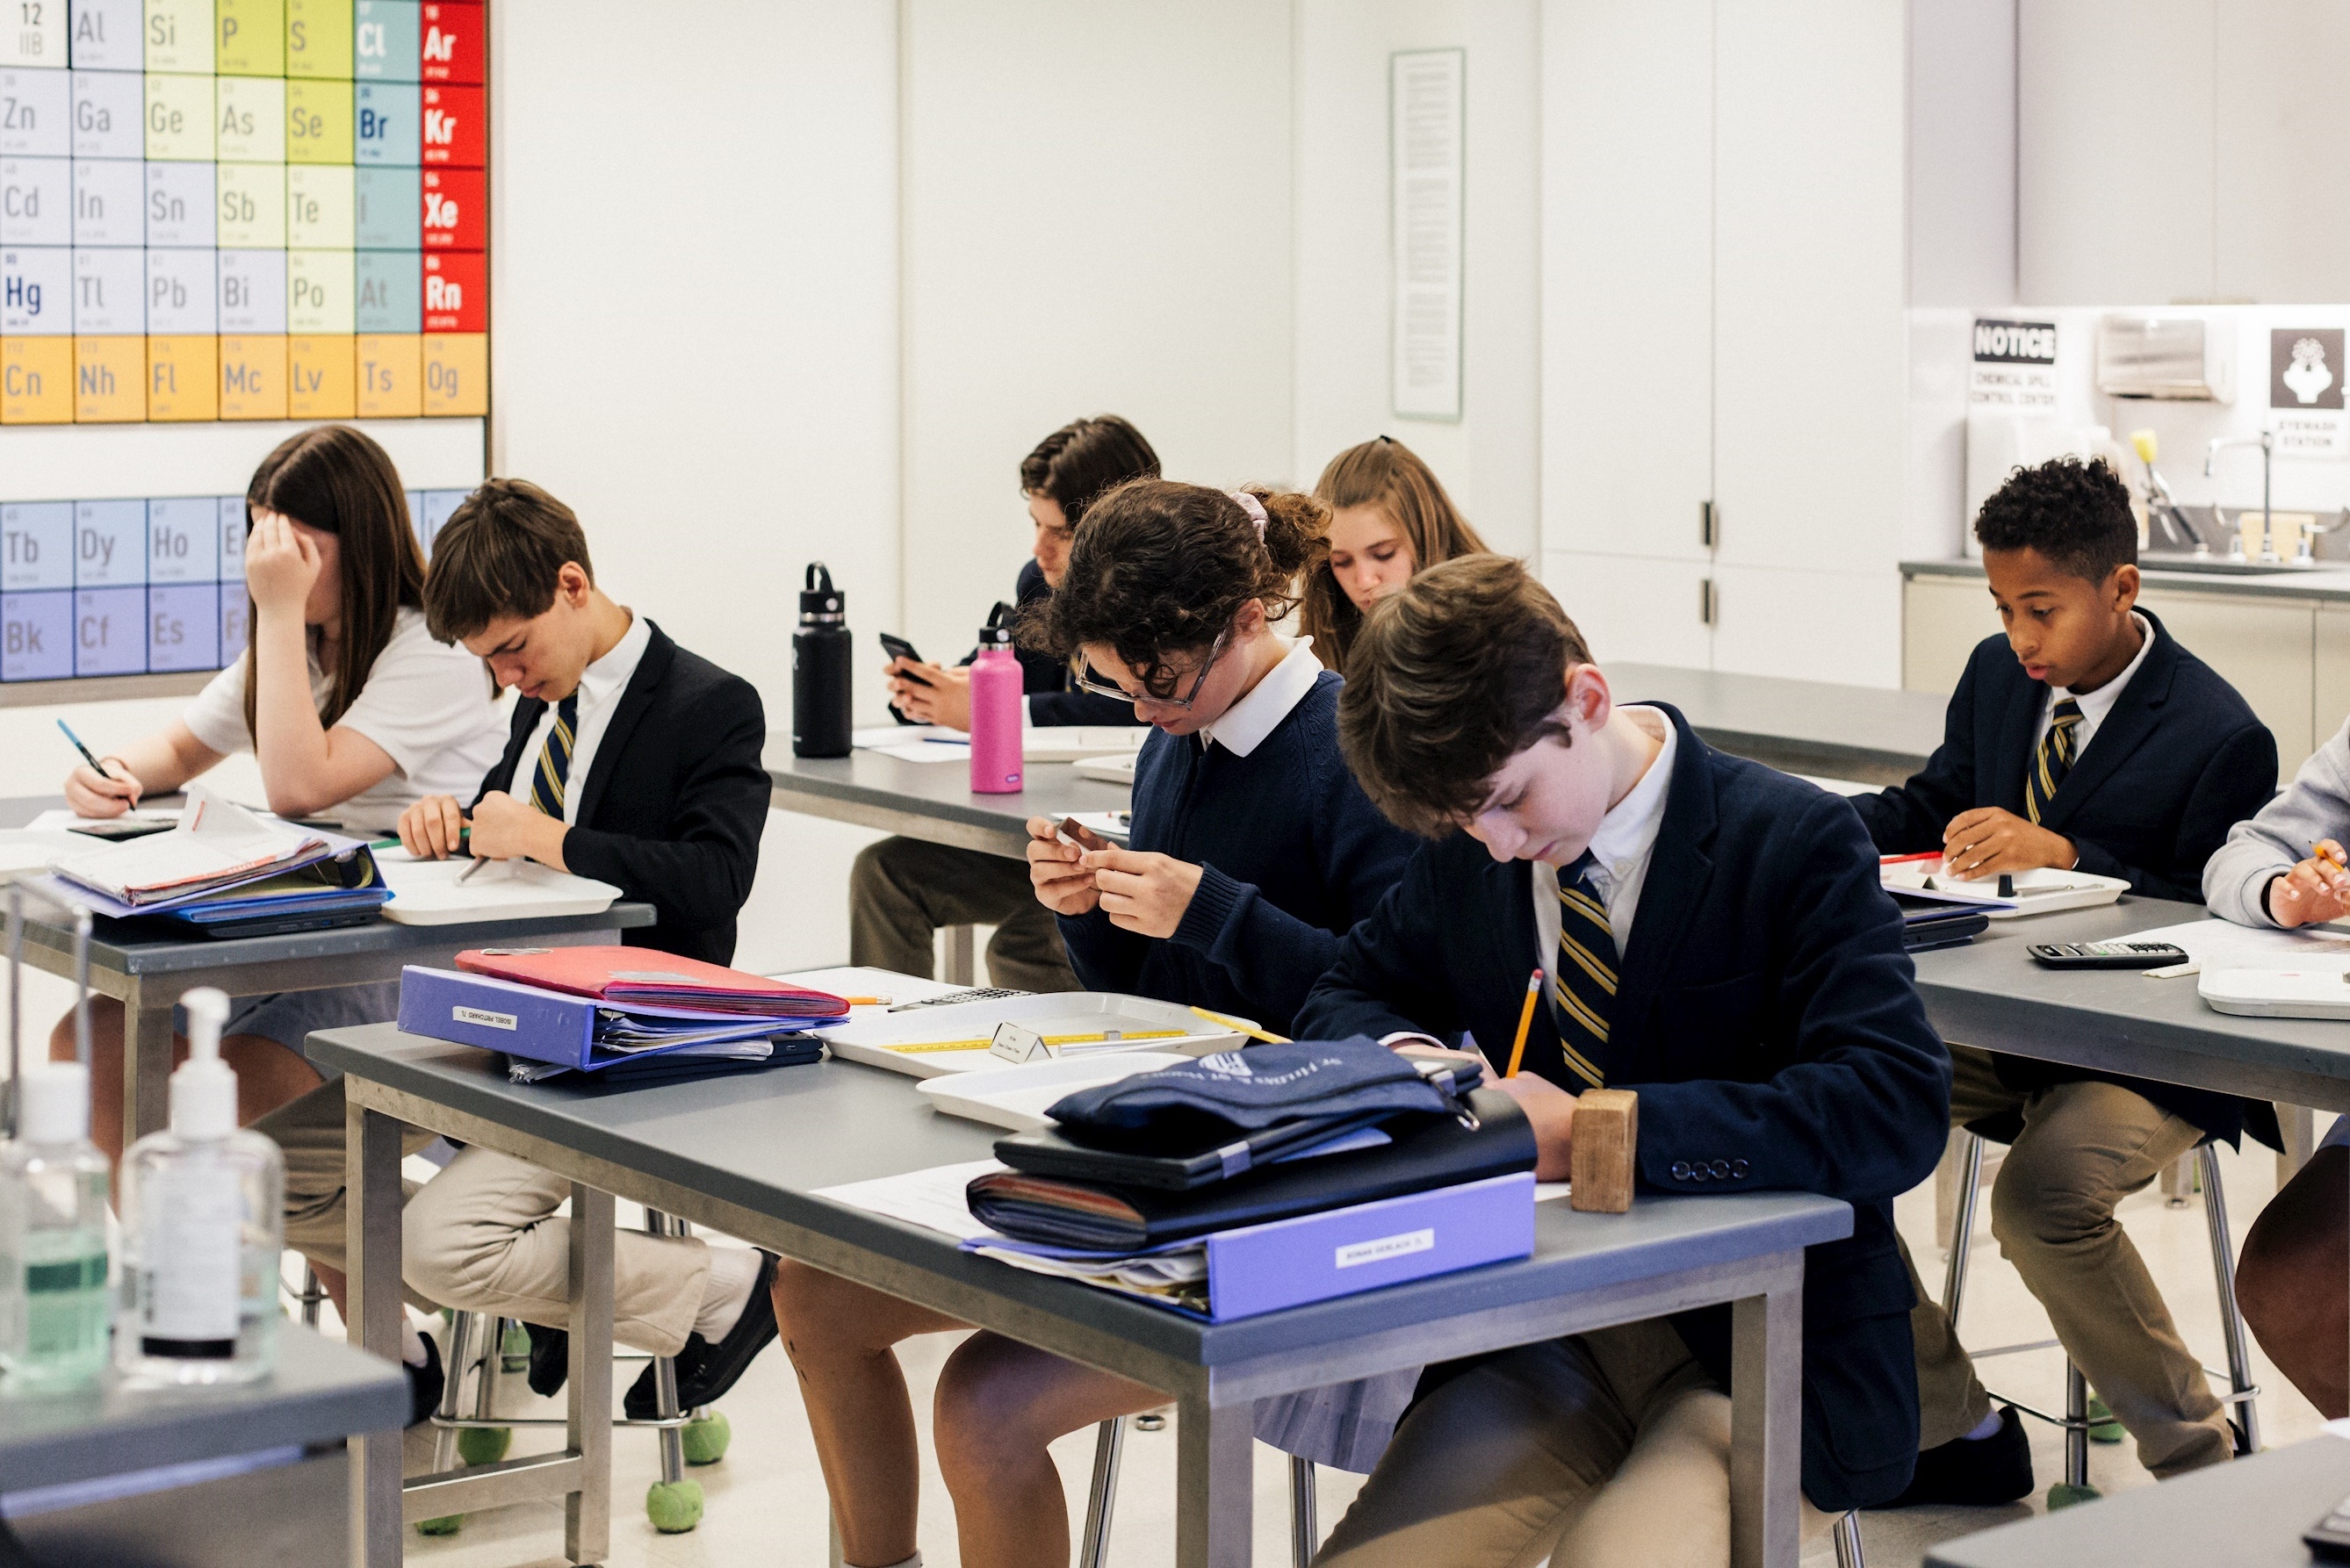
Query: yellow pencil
x=1526 y=1023
x=2318 y=852
x=1250 y=1029
x=868 y=1001
x=1100 y=1039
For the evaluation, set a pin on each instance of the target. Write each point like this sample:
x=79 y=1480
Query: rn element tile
x=35 y=202
x=110 y=543
x=36 y=381
x=384 y=46
x=253 y=292
x=110 y=631
x=182 y=540
x=179 y=36
x=390 y=291
x=389 y=369
x=386 y=204
x=456 y=210
x=321 y=378
x=456 y=131
x=36 y=113
x=249 y=117
x=37 y=546
x=250 y=204
x=317 y=122
x=234 y=526
x=456 y=292
x=109 y=380
x=390 y=124
x=182 y=378
x=36 y=291
x=456 y=373
x=319 y=38
x=249 y=38
x=33 y=33
x=110 y=292
x=107 y=107
x=179 y=205
x=253 y=377
x=451 y=47
x=37 y=636
x=320 y=293
x=183 y=627
x=179 y=117
x=106 y=36
x=182 y=292
x=105 y=207
x=321 y=206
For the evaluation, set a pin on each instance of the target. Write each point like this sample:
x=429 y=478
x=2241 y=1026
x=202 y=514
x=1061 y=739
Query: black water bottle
x=820 y=670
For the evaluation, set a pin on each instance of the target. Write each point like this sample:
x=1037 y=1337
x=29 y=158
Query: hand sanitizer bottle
x=54 y=1301
x=202 y=1226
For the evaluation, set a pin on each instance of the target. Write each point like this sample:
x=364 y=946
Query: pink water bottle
x=995 y=682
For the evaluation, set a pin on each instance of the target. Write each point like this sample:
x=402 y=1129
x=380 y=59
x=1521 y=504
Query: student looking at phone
x=902 y=890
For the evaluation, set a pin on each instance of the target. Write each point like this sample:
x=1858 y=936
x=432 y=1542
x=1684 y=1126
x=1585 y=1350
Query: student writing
x=348 y=705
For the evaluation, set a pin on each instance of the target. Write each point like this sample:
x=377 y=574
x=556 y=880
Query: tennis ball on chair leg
x=483 y=1445
x=448 y=1525
x=674 y=1507
x=705 y=1440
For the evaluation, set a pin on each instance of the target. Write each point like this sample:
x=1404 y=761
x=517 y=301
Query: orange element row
x=102 y=380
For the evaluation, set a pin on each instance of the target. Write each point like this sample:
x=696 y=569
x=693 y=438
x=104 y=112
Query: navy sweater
x=1292 y=855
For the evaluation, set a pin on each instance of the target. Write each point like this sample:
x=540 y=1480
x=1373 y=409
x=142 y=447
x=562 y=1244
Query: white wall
x=1490 y=459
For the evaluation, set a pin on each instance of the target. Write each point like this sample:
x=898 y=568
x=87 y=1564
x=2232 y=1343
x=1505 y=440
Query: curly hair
x=2076 y=514
x=1160 y=568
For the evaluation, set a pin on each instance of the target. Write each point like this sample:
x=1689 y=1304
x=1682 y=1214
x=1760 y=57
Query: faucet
x=2266 y=441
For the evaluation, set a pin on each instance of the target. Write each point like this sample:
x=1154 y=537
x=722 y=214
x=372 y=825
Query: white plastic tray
x=1015 y=1097
x=427 y=892
x=1108 y=770
x=2041 y=892
x=2317 y=990
x=893 y=1040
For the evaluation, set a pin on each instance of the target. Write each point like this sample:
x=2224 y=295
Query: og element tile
x=456 y=373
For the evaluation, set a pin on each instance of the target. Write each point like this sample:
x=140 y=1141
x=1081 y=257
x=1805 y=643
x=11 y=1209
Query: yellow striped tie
x=1584 y=986
x=546 y=782
x=2052 y=760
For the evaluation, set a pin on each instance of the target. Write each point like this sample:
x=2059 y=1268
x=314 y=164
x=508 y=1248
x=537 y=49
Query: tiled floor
x=766 y=1501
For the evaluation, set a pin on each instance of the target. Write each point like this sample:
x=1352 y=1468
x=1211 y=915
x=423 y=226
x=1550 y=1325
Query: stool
x=674 y=1503
x=2241 y=1390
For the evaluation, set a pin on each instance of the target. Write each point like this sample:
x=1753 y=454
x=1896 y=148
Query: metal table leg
x=375 y=1297
x=961 y=965
x=1766 y=1428
x=588 y=1512
x=1214 y=1486
x=147 y=1062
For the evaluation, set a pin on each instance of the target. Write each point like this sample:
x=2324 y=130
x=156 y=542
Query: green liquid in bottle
x=67 y=1312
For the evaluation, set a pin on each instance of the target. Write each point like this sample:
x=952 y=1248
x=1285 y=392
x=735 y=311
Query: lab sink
x=2221 y=566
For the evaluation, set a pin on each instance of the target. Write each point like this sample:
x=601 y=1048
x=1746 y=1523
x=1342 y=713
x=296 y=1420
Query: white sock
x=727 y=1291
x=1989 y=1428
x=412 y=1344
x=913 y=1562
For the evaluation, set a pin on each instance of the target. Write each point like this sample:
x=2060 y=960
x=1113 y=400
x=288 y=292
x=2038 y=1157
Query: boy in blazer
x=2086 y=738
x=631 y=760
x=1712 y=934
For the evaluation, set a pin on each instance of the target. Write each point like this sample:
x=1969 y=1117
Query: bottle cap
x=820 y=602
x=53 y=1102
x=204 y=1088
x=997 y=632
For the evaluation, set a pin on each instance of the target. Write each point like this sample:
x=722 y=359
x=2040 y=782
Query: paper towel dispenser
x=2185 y=358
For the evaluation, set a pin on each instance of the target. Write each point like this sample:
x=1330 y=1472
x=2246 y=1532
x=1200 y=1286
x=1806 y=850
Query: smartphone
x=1072 y=831
x=898 y=648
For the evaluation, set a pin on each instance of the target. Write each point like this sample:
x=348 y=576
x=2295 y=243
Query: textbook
x=632 y=977
x=559 y=1027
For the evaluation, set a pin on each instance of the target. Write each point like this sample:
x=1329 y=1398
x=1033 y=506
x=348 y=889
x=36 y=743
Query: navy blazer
x=675 y=797
x=2178 y=761
x=1766 y=1014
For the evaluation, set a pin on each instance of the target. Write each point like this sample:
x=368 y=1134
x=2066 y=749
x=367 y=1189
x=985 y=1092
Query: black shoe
x=425 y=1384
x=1978 y=1471
x=706 y=1371
x=550 y=1360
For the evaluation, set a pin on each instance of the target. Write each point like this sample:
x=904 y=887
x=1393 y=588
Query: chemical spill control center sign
x=2014 y=366
x=2305 y=391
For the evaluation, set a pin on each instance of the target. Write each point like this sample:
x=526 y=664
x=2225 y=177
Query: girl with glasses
x=1252 y=853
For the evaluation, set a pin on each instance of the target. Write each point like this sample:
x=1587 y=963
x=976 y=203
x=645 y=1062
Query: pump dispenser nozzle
x=203 y=1087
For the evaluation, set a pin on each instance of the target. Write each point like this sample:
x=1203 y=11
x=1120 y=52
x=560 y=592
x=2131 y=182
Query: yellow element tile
x=36 y=381
x=183 y=377
x=318 y=121
x=318 y=39
x=389 y=377
x=179 y=118
x=110 y=380
x=321 y=207
x=253 y=377
x=249 y=38
x=320 y=377
x=179 y=37
x=249 y=120
x=457 y=373
x=321 y=293
x=251 y=205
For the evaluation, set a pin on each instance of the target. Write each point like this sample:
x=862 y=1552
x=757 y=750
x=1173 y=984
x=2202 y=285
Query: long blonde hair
x=1389 y=475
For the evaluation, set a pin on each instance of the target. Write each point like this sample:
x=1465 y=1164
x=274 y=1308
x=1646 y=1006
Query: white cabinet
x=1838 y=626
x=1942 y=619
x=1632 y=610
x=2281 y=201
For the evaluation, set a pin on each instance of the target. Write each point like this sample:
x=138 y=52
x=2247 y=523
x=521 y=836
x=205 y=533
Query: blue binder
x=552 y=1026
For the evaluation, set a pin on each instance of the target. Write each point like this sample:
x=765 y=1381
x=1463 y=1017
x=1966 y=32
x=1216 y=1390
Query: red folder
x=648 y=977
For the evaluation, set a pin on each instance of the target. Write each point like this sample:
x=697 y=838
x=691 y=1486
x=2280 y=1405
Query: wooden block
x=1606 y=1147
x=110 y=383
x=322 y=377
x=36 y=381
x=456 y=373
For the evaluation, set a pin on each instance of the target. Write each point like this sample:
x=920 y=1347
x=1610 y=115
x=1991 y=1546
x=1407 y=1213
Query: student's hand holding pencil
x=2317 y=889
x=1551 y=1111
x=1143 y=892
x=1062 y=884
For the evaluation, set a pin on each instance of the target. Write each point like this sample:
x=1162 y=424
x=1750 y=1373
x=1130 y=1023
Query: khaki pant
x=309 y=1130
x=902 y=890
x=2084 y=1146
x=1600 y=1450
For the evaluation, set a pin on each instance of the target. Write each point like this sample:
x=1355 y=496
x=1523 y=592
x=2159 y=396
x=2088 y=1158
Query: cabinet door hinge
x=1707 y=606
x=1709 y=526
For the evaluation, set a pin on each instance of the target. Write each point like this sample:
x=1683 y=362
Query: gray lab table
x=116 y=1475
x=2249 y=1514
x=145 y=965
x=744 y=1154
x=934 y=801
x=1865 y=733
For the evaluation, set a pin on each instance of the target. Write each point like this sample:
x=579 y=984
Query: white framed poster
x=1426 y=129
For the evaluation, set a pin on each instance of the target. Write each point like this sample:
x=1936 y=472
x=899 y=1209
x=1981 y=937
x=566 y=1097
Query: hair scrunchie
x=1253 y=507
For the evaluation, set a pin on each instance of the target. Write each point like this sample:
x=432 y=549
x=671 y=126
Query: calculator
x=2107 y=955
x=2329 y=1539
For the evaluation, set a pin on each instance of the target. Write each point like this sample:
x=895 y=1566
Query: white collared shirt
x=601 y=685
x=1621 y=850
x=2095 y=705
x=1243 y=726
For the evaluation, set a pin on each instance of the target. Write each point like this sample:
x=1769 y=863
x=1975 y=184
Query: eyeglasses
x=1081 y=676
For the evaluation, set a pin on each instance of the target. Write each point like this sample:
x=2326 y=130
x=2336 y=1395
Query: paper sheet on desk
x=931 y=1198
x=60 y=818
x=2223 y=944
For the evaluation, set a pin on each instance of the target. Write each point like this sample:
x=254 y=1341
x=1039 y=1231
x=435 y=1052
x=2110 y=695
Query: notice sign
x=2305 y=391
x=1425 y=124
x=2014 y=366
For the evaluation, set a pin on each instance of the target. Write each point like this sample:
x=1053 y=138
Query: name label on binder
x=483 y=1018
x=1387 y=1247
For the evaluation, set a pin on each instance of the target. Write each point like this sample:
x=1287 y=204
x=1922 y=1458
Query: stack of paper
x=544 y=1024
x=224 y=867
